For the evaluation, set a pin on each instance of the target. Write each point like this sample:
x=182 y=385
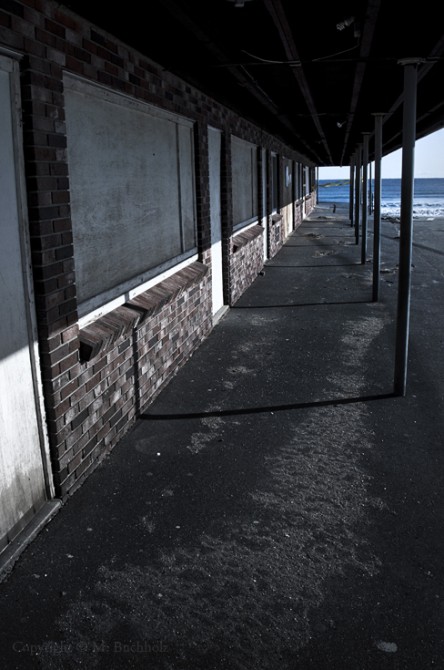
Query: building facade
x=135 y=209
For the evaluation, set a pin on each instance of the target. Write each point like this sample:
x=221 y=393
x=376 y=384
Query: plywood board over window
x=131 y=170
x=244 y=182
x=275 y=184
x=287 y=182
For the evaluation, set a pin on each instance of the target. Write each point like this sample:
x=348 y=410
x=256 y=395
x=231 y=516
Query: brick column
x=51 y=238
x=227 y=212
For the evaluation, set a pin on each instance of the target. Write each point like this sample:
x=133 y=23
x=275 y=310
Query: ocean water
x=428 y=200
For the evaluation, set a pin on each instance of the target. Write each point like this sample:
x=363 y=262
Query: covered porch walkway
x=276 y=507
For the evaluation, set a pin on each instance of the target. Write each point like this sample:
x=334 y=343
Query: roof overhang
x=313 y=75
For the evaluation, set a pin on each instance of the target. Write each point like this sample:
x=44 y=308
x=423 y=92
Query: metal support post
x=352 y=190
x=406 y=224
x=377 y=208
x=357 y=192
x=364 y=197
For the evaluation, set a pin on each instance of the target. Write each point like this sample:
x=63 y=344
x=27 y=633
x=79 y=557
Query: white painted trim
x=217 y=247
x=6 y=64
x=264 y=221
x=162 y=272
x=27 y=269
x=8 y=54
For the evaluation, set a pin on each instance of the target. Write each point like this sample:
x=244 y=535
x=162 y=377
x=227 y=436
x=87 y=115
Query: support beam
x=364 y=197
x=377 y=208
x=357 y=192
x=365 y=47
x=279 y=17
x=405 y=245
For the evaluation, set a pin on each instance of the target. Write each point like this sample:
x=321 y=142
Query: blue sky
x=429 y=161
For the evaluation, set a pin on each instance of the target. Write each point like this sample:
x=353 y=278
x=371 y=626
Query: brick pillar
x=44 y=137
x=227 y=212
x=202 y=192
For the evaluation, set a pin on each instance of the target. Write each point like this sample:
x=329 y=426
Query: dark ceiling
x=311 y=74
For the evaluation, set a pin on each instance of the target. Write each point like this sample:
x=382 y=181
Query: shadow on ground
x=276 y=507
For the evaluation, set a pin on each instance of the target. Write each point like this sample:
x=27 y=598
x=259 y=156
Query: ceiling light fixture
x=239 y=3
x=345 y=23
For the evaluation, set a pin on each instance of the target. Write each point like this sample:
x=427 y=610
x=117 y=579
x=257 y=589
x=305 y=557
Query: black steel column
x=364 y=197
x=352 y=190
x=405 y=244
x=370 y=193
x=357 y=192
x=377 y=208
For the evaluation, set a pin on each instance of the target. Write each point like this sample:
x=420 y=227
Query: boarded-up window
x=244 y=181
x=299 y=191
x=306 y=180
x=275 y=183
x=287 y=181
x=131 y=170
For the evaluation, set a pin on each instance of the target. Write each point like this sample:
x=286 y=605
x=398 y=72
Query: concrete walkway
x=276 y=508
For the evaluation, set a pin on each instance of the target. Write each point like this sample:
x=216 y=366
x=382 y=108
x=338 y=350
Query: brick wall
x=310 y=202
x=298 y=214
x=276 y=234
x=90 y=403
x=135 y=355
x=247 y=260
